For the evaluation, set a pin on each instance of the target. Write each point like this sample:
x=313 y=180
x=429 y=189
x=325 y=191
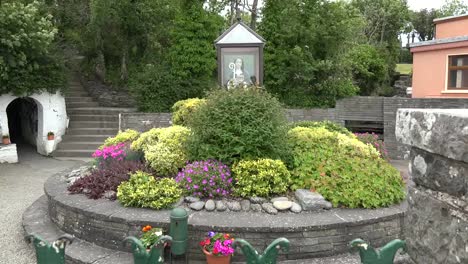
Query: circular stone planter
x=312 y=234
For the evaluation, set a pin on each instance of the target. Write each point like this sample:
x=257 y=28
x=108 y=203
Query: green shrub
x=333 y=164
x=143 y=190
x=261 y=178
x=128 y=135
x=146 y=139
x=165 y=149
x=183 y=110
x=238 y=124
x=330 y=126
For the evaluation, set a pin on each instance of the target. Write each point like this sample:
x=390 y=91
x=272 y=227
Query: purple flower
x=211 y=234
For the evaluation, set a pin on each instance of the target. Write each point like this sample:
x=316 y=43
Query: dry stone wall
x=436 y=227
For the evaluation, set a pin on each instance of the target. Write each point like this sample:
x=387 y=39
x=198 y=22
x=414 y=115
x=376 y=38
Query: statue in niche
x=239 y=77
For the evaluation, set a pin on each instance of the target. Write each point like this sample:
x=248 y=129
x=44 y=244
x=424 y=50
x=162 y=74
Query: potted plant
x=150 y=236
x=6 y=139
x=217 y=248
x=50 y=136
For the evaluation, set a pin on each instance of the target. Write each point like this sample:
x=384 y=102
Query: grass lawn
x=404 y=68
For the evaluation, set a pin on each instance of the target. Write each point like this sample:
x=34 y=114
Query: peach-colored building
x=440 y=66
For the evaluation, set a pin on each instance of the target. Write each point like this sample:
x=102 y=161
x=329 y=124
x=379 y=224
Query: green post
x=50 y=253
x=178 y=230
x=155 y=255
x=384 y=255
x=270 y=254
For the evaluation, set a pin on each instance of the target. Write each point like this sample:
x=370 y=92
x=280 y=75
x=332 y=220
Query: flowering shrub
x=150 y=235
x=373 y=140
x=218 y=244
x=106 y=177
x=116 y=152
x=206 y=179
x=262 y=177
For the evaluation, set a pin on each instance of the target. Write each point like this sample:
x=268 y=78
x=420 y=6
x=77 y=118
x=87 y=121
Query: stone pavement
x=20 y=185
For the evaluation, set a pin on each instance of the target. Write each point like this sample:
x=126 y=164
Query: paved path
x=20 y=185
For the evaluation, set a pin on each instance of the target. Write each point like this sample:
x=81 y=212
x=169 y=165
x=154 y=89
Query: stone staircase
x=89 y=124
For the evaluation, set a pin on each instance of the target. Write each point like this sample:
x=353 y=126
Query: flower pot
x=50 y=137
x=212 y=259
x=6 y=141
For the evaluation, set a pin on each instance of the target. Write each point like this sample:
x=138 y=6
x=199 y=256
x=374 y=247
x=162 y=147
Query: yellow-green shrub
x=342 y=168
x=128 y=135
x=146 y=139
x=262 y=177
x=143 y=190
x=183 y=110
x=165 y=149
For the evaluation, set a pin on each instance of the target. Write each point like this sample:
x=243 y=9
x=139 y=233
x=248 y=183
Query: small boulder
x=256 y=207
x=220 y=206
x=282 y=205
x=210 y=205
x=296 y=208
x=197 y=206
x=245 y=204
x=257 y=200
x=191 y=199
x=110 y=195
x=179 y=202
x=276 y=199
x=234 y=206
x=311 y=201
x=268 y=207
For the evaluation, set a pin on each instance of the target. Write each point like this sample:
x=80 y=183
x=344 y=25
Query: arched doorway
x=23 y=121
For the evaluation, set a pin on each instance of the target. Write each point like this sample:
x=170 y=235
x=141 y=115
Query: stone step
x=92 y=131
x=70 y=145
x=81 y=104
x=108 y=118
x=78 y=153
x=98 y=111
x=85 y=138
x=93 y=124
x=78 y=99
x=76 y=93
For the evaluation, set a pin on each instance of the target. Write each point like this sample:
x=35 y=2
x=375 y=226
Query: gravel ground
x=20 y=185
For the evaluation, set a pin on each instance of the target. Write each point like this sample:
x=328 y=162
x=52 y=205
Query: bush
x=238 y=124
x=374 y=141
x=120 y=151
x=165 y=149
x=334 y=164
x=206 y=179
x=261 y=178
x=106 y=177
x=330 y=126
x=183 y=110
x=126 y=136
x=143 y=190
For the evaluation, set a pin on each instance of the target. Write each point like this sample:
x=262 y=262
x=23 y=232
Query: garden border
x=312 y=234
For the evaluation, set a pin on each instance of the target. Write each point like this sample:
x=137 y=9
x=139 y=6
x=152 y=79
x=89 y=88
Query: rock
x=310 y=201
x=282 y=205
x=234 y=206
x=191 y=199
x=268 y=207
x=279 y=199
x=220 y=206
x=110 y=195
x=179 y=202
x=86 y=191
x=197 y=206
x=256 y=207
x=210 y=205
x=245 y=204
x=257 y=200
x=72 y=180
x=296 y=208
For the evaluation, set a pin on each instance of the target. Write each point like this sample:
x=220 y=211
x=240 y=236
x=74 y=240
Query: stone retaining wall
x=106 y=223
x=436 y=227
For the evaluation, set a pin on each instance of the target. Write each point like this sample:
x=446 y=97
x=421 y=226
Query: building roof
x=439 y=41
x=445 y=19
x=239 y=33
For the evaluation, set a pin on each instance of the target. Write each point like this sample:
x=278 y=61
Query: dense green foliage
x=262 y=178
x=126 y=136
x=238 y=124
x=143 y=190
x=330 y=126
x=306 y=43
x=344 y=170
x=164 y=149
x=28 y=63
x=183 y=110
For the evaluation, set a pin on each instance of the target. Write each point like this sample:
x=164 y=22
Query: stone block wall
x=144 y=121
x=436 y=227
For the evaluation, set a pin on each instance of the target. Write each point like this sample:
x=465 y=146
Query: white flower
x=158 y=233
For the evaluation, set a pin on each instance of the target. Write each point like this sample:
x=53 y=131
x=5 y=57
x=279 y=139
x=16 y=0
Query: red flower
x=215 y=251
x=226 y=236
x=146 y=228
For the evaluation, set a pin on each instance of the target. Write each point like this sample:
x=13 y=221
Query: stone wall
x=144 y=121
x=436 y=227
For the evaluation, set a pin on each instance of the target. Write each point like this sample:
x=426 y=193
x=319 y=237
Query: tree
x=307 y=40
x=453 y=8
x=27 y=64
x=422 y=22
